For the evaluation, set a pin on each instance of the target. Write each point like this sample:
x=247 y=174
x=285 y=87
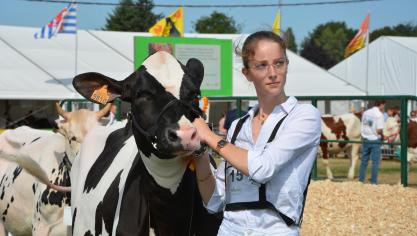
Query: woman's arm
x=236 y=156
x=205 y=179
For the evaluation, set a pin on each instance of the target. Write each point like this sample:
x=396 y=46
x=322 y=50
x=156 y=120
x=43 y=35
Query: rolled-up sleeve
x=301 y=131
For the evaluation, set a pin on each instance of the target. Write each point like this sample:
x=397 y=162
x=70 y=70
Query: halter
x=150 y=135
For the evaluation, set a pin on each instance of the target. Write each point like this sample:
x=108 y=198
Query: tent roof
x=389 y=69
x=43 y=69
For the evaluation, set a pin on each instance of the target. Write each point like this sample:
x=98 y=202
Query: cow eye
x=73 y=138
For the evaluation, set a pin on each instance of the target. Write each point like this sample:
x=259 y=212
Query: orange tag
x=101 y=95
x=205 y=104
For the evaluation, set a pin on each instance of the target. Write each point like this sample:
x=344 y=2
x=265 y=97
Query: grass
x=389 y=171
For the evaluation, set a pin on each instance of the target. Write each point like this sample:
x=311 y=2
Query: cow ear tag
x=101 y=95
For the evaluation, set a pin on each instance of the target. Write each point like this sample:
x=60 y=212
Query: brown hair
x=379 y=102
x=248 y=48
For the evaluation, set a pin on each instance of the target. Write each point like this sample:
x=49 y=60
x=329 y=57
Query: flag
x=276 y=27
x=170 y=26
x=358 y=41
x=65 y=22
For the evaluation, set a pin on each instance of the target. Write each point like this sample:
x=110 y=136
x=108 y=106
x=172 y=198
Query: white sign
x=209 y=55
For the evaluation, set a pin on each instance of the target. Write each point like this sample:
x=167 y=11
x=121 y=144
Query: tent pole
x=367 y=56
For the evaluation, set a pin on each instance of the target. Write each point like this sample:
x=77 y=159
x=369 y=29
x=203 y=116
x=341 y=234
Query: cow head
x=75 y=125
x=163 y=95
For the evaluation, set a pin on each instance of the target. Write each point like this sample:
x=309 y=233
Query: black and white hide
x=130 y=179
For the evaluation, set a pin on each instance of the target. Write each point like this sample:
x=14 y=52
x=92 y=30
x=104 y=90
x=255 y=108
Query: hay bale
x=353 y=208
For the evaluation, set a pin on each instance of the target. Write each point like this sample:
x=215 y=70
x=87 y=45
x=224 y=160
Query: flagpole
x=367 y=55
x=280 y=17
x=76 y=53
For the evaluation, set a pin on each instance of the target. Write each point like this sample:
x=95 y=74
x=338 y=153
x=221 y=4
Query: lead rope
x=192 y=204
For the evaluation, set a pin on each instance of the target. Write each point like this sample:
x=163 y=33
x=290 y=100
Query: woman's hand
x=203 y=129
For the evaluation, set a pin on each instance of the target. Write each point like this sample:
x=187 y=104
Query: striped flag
x=170 y=26
x=65 y=22
x=358 y=41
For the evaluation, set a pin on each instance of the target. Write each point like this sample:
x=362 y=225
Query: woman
x=261 y=180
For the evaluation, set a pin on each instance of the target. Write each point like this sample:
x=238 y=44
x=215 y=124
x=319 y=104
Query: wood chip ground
x=353 y=208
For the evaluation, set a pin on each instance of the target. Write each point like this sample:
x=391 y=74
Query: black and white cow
x=30 y=208
x=130 y=179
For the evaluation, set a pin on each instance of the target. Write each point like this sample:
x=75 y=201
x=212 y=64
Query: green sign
x=215 y=54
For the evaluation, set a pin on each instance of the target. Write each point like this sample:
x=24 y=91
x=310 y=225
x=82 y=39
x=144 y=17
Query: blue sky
x=302 y=19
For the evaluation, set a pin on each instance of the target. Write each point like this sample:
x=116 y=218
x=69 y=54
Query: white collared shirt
x=283 y=164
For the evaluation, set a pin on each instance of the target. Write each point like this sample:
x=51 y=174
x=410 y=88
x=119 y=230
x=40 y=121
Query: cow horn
x=61 y=111
x=103 y=111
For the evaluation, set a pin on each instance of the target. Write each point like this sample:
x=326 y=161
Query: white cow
x=29 y=207
x=346 y=127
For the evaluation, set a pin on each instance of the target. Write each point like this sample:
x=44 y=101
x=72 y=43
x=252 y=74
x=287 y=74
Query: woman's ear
x=245 y=72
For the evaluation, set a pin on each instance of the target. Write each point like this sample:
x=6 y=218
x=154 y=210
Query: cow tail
x=34 y=169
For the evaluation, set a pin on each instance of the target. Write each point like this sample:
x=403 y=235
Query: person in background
x=371 y=131
x=222 y=130
x=413 y=116
x=388 y=113
x=267 y=156
x=112 y=115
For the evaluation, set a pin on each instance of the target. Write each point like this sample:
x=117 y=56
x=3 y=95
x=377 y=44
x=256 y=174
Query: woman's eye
x=261 y=66
x=280 y=63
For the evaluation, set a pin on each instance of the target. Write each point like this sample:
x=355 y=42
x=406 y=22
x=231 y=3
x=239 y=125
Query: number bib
x=240 y=188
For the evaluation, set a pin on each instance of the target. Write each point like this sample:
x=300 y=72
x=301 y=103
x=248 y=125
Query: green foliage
x=289 y=39
x=326 y=44
x=407 y=29
x=132 y=15
x=217 y=22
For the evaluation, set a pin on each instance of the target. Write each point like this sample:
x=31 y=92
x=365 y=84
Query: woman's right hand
x=203 y=130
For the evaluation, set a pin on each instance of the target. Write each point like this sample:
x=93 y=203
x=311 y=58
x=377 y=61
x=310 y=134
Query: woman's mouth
x=273 y=83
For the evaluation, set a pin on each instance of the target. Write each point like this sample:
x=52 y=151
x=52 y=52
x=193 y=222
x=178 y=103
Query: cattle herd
x=134 y=177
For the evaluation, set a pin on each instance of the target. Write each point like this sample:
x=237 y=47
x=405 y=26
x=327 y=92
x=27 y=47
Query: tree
x=217 y=22
x=407 y=29
x=289 y=39
x=326 y=44
x=132 y=16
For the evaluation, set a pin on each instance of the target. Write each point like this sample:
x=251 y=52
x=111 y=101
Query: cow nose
x=187 y=134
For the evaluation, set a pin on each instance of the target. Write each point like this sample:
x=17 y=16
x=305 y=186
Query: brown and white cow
x=346 y=127
x=27 y=207
x=392 y=131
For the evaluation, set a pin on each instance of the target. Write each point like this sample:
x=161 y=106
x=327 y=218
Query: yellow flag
x=276 y=27
x=170 y=26
x=358 y=41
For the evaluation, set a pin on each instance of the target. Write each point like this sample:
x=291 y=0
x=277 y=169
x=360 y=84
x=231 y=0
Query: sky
x=302 y=19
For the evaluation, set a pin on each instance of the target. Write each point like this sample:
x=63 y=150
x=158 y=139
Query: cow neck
x=166 y=172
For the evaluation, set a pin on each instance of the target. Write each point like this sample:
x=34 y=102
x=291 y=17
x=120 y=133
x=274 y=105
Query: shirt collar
x=286 y=106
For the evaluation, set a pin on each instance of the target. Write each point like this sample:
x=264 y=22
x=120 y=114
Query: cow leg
x=2 y=229
x=328 y=170
x=354 y=157
x=325 y=157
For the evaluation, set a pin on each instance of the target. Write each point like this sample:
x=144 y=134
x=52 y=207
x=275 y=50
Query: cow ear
x=97 y=88
x=196 y=71
x=191 y=82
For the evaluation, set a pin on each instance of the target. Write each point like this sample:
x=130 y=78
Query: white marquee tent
x=392 y=67
x=43 y=69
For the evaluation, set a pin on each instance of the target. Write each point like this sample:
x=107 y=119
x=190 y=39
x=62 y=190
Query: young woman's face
x=267 y=68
